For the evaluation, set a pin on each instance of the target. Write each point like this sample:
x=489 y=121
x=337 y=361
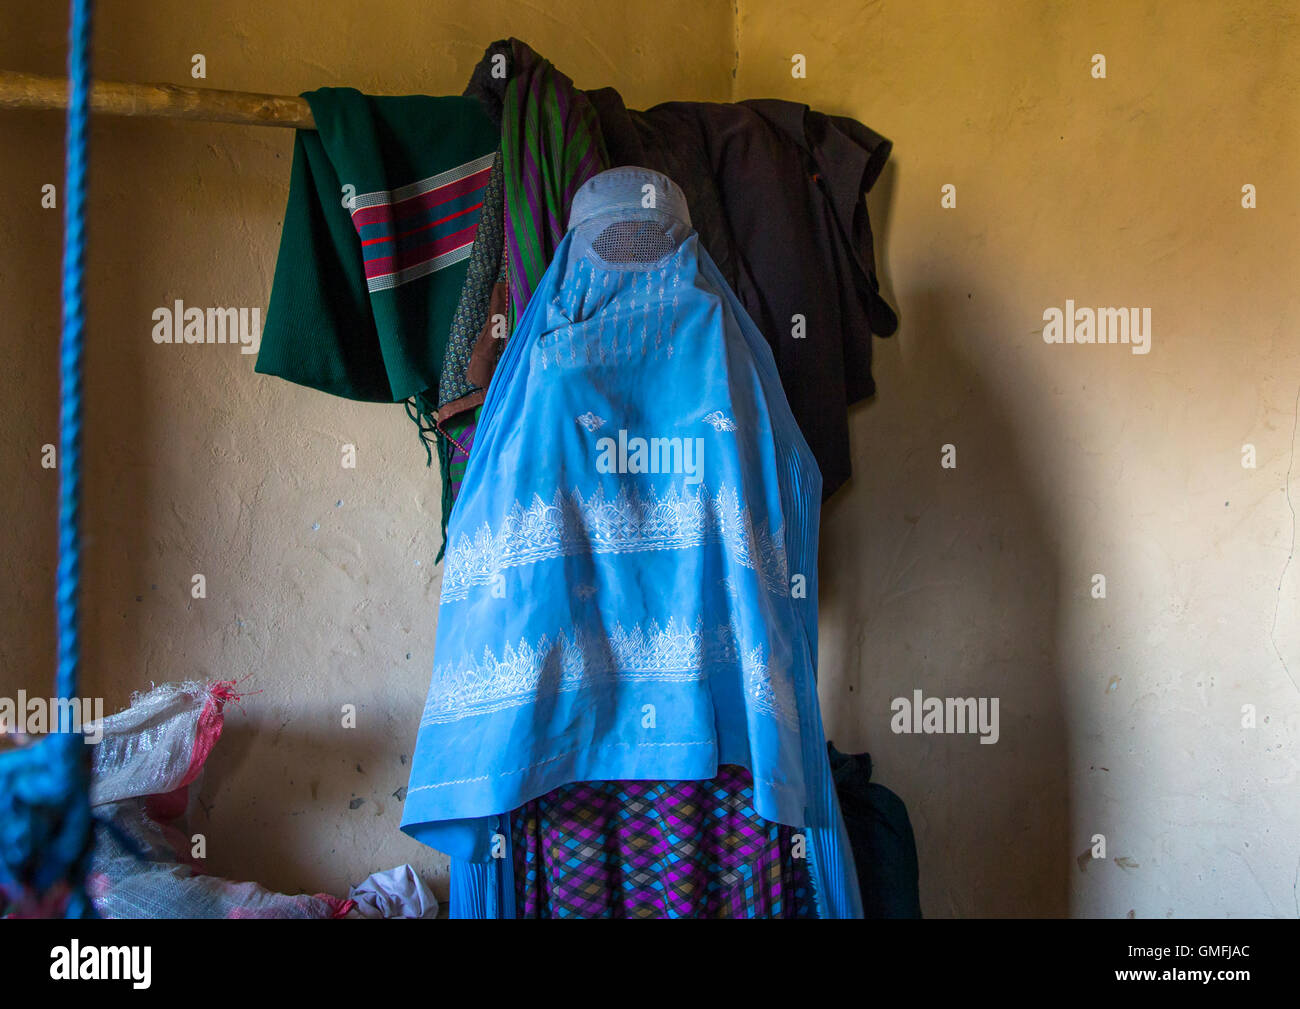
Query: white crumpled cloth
x=393 y=893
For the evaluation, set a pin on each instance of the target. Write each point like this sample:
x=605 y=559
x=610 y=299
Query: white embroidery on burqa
x=771 y=692
x=673 y=653
x=719 y=421
x=633 y=521
x=590 y=421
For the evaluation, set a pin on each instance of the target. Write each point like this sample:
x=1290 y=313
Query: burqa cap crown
x=622 y=193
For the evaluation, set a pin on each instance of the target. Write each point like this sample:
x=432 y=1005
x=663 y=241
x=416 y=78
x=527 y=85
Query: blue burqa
x=630 y=584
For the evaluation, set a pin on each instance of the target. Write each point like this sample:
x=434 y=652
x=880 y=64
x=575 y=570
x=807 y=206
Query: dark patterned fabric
x=485 y=266
x=444 y=419
x=656 y=849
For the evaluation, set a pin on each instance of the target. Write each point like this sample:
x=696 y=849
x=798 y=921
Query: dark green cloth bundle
x=384 y=200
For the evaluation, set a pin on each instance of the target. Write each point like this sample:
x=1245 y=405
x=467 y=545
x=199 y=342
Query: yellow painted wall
x=196 y=464
x=1118 y=716
x=1121 y=716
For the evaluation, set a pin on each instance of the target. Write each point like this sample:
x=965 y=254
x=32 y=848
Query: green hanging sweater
x=384 y=202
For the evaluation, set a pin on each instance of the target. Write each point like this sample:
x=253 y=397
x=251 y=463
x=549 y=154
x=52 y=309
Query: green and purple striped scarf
x=550 y=145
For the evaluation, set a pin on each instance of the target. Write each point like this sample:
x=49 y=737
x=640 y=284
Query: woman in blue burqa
x=623 y=716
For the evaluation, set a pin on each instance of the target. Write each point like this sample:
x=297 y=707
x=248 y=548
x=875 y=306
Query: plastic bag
x=144 y=765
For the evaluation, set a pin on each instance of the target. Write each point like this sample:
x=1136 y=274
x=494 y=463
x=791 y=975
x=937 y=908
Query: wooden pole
x=166 y=101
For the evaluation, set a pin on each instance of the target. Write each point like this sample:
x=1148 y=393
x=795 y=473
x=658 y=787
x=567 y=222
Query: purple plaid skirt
x=656 y=849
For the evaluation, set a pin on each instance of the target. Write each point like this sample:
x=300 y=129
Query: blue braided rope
x=67 y=593
x=71 y=352
x=45 y=822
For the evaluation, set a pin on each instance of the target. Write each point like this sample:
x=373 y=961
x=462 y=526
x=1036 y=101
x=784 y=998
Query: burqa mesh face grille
x=633 y=242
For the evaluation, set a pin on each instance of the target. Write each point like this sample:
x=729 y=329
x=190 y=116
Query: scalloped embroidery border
x=631 y=522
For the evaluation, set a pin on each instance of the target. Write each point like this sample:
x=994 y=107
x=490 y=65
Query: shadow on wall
x=276 y=839
x=947 y=581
